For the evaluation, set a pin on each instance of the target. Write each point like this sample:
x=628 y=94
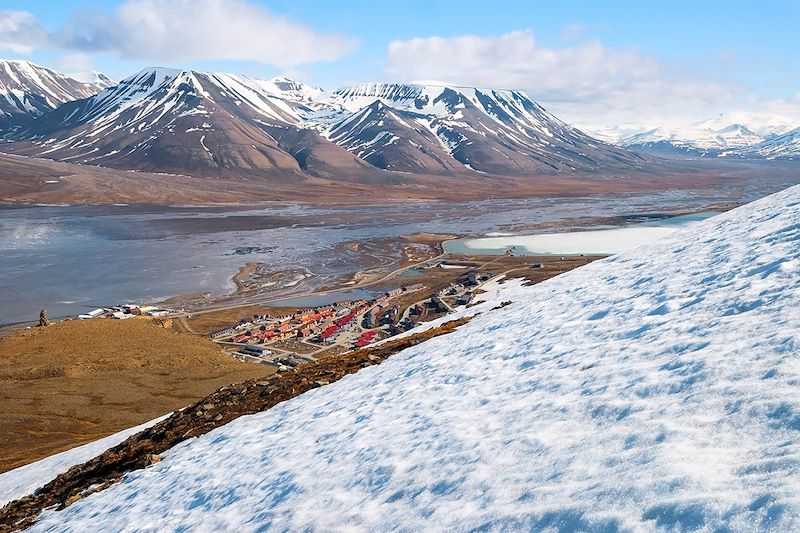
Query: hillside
x=181 y=122
x=77 y=381
x=654 y=389
x=492 y=131
x=28 y=91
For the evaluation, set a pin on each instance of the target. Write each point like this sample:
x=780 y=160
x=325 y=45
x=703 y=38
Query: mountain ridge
x=218 y=124
x=28 y=91
x=719 y=136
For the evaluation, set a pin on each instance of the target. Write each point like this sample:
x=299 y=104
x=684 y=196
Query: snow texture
x=656 y=389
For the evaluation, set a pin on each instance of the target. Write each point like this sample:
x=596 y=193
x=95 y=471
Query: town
x=310 y=334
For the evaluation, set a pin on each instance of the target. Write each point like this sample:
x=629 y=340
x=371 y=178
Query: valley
x=188 y=255
x=557 y=291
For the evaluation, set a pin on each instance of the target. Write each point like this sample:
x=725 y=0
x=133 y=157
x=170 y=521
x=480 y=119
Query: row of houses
x=366 y=338
x=334 y=329
x=320 y=323
x=123 y=312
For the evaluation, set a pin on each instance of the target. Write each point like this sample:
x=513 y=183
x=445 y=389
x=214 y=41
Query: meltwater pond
x=605 y=241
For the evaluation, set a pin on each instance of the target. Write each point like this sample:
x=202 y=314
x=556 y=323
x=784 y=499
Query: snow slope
x=26 y=479
x=656 y=389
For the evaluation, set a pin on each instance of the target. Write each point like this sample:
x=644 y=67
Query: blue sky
x=595 y=63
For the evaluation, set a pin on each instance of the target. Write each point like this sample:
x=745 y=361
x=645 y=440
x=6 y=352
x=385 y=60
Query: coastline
x=363 y=262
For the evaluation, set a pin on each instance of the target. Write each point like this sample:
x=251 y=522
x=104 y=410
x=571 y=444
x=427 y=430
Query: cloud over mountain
x=585 y=79
x=20 y=32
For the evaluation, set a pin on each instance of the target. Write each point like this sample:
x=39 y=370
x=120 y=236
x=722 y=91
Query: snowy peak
x=431 y=129
x=295 y=90
x=786 y=146
x=97 y=79
x=708 y=136
x=28 y=91
x=723 y=135
x=438 y=99
x=486 y=130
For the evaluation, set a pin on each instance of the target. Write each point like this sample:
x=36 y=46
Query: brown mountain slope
x=79 y=380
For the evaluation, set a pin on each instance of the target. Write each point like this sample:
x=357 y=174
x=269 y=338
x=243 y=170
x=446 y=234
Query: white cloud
x=75 y=65
x=20 y=32
x=180 y=31
x=586 y=83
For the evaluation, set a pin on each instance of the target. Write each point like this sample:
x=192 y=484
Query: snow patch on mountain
x=28 y=90
x=730 y=134
x=786 y=146
x=656 y=389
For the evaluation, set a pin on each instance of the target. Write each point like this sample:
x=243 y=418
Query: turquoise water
x=605 y=241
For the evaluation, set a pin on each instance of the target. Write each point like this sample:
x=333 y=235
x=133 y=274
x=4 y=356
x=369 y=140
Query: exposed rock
x=43 y=320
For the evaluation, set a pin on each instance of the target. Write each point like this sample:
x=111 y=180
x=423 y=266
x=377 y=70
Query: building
x=92 y=314
x=439 y=304
x=256 y=352
x=391 y=315
x=222 y=333
x=465 y=298
x=372 y=317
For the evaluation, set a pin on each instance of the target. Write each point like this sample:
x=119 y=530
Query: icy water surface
x=69 y=259
x=592 y=242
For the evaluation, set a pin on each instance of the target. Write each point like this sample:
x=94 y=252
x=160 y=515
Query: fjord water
x=69 y=259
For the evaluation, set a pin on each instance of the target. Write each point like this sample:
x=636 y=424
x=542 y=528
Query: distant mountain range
x=718 y=137
x=213 y=124
x=786 y=146
x=210 y=124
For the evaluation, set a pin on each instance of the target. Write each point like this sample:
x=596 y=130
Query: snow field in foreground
x=657 y=389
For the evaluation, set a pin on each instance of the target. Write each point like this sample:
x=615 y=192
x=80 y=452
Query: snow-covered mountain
x=707 y=138
x=190 y=122
x=28 y=91
x=786 y=146
x=95 y=78
x=713 y=137
x=654 y=390
x=487 y=130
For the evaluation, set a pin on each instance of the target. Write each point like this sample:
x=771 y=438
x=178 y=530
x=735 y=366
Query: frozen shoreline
x=588 y=242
